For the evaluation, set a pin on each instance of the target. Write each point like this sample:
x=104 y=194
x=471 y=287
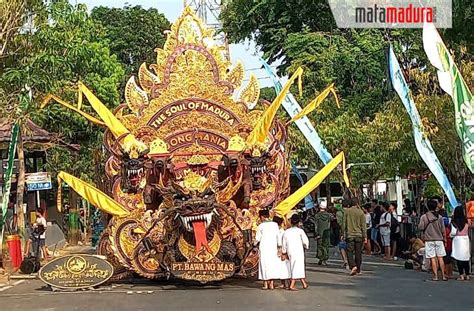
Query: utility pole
x=208 y=11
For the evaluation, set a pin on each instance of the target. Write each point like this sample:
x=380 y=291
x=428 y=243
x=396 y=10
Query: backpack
x=409 y=264
x=393 y=223
x=39 y=229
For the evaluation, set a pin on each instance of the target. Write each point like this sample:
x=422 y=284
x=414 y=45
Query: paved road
x=383 y=286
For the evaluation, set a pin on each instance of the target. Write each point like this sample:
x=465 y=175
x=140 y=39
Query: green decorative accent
x=463 y=105
x=7 y=177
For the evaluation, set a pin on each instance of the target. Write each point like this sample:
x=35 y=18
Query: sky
x=245 y=52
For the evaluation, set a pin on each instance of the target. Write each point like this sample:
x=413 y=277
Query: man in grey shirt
x=434 y=235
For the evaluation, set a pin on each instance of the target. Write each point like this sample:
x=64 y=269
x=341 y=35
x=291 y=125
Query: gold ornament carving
x=236 y=75
x=189 y=251
x=146 y=78
x=251 y=93
x=135 y=97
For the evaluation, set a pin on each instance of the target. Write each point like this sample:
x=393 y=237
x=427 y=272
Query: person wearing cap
x=322 y=223
x=294 y=243
x=354 y=230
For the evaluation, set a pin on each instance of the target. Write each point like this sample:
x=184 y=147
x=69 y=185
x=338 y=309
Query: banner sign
x=451 y=82
x=201 y=136
x=203 y=271
x=7 y=177
x=292 y=107
x=183 y=106
x=38 y=181
x=423 y=145
x=391 y=13
x=76 y=271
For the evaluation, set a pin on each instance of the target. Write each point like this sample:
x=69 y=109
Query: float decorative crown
x=191 y=86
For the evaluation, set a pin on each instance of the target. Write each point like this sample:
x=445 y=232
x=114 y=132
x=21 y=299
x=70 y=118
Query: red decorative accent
x=14 y=247
x=199 y=228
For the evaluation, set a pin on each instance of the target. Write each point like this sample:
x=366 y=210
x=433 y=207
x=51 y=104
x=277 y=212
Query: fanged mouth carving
x=258 y=169
x=134 y=175
x=188 y=220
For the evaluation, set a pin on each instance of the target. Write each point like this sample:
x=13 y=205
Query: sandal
x=305 y=286
x=434 y=279
x=293 y=289
x=445 y=279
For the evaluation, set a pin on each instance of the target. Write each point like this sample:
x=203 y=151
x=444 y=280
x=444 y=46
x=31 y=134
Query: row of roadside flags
x=451 y=82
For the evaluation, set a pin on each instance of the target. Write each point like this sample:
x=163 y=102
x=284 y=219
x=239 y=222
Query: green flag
x=451 y=82
x=7 y=176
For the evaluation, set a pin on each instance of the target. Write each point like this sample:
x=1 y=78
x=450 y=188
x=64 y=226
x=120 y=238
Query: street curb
x=24 y=277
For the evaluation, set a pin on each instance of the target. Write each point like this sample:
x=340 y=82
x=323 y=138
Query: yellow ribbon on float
x=91 y=194
x=316 y=102
x=262 y=127
x=287 y=204
x=49 y=97
x=130 y=143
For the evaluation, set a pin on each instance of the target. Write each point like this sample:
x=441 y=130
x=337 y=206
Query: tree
x=11 y=19
x=65 y=47
x=133 y=33
x=270 y=22
x=372 y=124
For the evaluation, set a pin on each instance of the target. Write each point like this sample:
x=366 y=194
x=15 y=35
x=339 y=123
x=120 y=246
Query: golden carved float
x=191 y=162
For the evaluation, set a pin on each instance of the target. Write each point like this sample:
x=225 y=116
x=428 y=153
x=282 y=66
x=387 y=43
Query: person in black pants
x=461 y=248
x=355 y=233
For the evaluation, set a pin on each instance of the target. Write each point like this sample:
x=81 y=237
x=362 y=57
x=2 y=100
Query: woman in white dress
x=294 y=243
x=267 y=238
x=461 y=246
x=284 y=262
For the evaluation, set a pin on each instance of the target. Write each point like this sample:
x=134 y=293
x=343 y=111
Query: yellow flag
x=91 y=194
x=67 y=105
x=114 y=125
x=128 y=142
x=287 y=204
x=108 y=118
x=316 y=102
x=262 y=127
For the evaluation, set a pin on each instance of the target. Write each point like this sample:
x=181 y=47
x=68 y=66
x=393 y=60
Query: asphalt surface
x=382 y=286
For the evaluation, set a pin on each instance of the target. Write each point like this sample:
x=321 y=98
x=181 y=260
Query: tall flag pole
x=293 y=108
x=452 y=82
x=423 y=144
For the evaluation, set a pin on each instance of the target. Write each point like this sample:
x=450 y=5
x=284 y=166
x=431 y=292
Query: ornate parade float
x=191 y=163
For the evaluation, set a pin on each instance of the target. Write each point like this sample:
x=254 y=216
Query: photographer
x=38 y=234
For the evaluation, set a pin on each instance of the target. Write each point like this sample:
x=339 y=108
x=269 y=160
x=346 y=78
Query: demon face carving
x=195 y=208
x=133 y=174
x=258 y=168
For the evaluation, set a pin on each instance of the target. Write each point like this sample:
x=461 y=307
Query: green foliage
x=371 y=125
x=66 y=47
x=133 y=33
x=270 y=22
x=267 y=93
